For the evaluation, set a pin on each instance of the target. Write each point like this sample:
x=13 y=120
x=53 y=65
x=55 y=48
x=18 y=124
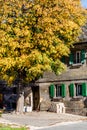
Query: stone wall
x=76 y=106
x=57 y=107
x=45 y=100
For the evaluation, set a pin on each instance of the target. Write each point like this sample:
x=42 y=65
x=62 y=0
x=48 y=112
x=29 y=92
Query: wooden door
x=36 y=97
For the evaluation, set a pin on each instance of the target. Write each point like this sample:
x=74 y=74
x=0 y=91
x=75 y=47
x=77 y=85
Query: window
x=78 y=89
x=78 y=57
x=57 y=90
x=60 y=90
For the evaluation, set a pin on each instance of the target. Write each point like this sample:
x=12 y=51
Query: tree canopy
x=35 y=35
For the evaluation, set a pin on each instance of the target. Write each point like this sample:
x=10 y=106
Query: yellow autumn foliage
x=35 y=35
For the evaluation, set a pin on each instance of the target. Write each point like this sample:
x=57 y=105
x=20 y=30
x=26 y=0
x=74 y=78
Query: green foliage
x=35 y=35
x=8 y=128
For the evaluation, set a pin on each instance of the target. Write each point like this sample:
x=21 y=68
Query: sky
x=84 y=3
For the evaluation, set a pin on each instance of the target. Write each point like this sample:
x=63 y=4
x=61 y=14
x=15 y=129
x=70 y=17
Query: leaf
x=35 y=35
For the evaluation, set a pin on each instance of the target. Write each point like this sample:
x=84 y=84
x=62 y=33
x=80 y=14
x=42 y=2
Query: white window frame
x=78 y=89
x=78 y=59
x=58 y=90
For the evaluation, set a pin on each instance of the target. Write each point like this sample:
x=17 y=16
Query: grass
x=7 y=127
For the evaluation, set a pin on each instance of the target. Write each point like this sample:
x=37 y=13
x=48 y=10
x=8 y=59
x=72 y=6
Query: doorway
x=36 y=97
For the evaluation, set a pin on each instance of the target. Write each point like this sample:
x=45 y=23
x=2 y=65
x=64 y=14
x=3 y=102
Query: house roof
x=83 y=36
x=69 y=75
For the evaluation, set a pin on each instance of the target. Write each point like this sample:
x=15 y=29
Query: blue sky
x=84 y=3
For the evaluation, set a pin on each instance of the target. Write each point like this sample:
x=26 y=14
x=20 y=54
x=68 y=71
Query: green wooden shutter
x=71 y=90
x=63 y=93
x=84 y=89
x=71 y=59
x=82 y=56
x=52 y=90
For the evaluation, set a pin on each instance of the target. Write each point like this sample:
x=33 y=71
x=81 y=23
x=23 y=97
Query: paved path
x=40 y=119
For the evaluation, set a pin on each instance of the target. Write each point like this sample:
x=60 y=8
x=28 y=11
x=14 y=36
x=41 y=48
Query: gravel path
x=40 y=119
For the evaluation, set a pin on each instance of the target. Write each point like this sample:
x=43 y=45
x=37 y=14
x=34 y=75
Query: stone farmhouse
x=69 y=88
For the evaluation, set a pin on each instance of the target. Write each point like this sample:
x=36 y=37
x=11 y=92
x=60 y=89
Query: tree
x=35 y=35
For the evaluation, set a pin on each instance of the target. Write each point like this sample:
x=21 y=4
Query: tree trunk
x=20 y=101
x=20 y=104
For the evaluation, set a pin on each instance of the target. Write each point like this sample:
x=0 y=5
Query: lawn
x=7 y=127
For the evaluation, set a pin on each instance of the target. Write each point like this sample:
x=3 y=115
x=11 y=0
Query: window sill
x=76 y=64
x=77 y=98
x=58 y=99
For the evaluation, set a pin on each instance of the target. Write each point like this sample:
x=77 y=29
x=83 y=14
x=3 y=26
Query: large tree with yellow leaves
x=35 y=35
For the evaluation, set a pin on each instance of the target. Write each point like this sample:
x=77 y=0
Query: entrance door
x=36 y=97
